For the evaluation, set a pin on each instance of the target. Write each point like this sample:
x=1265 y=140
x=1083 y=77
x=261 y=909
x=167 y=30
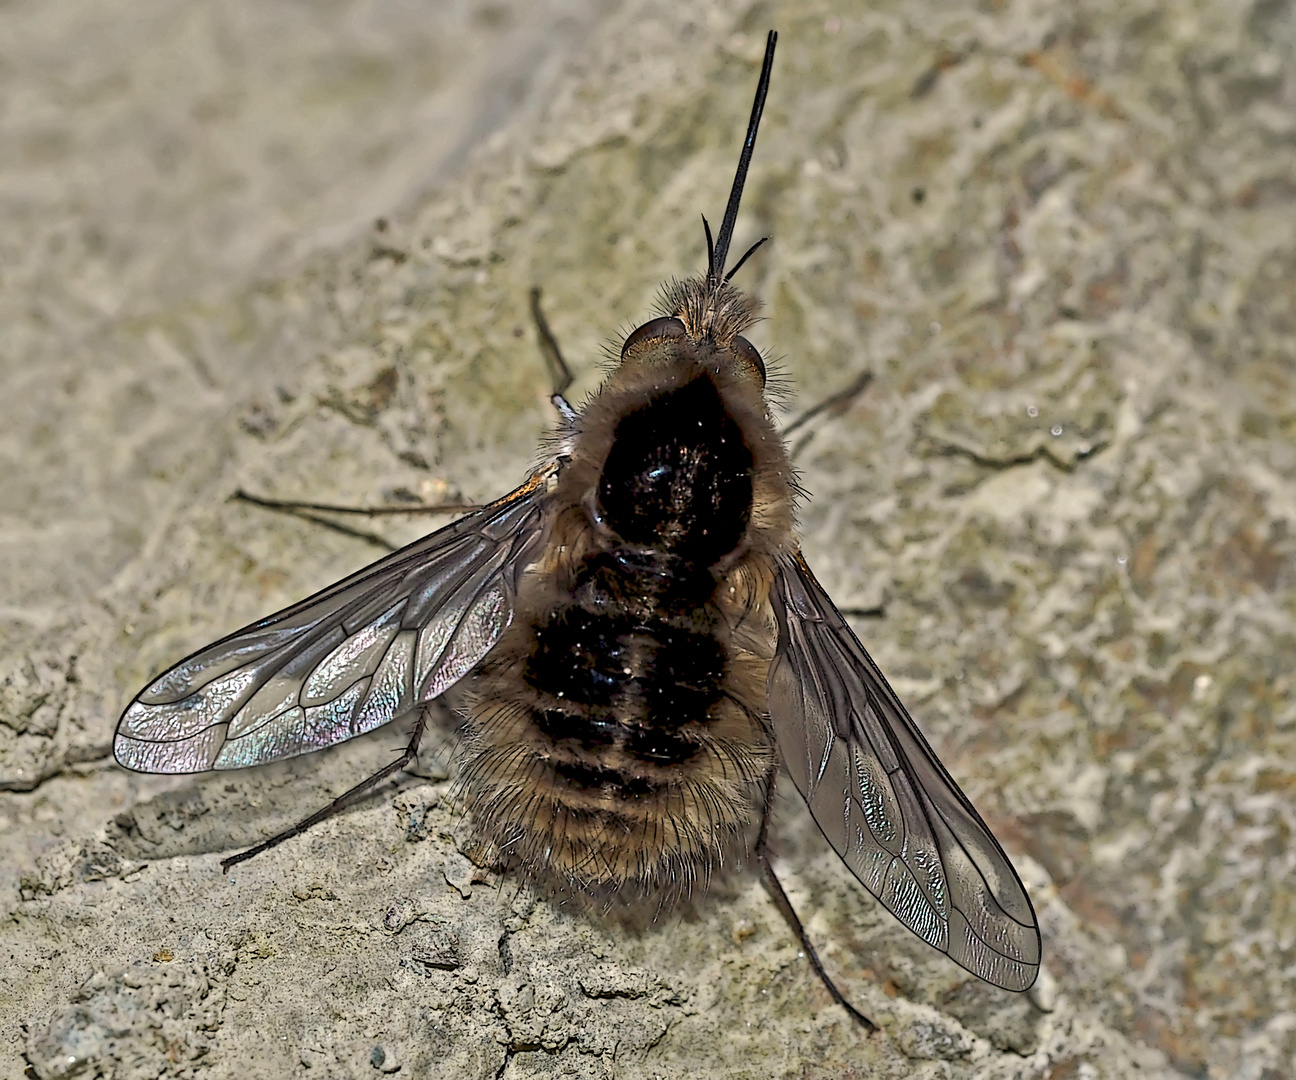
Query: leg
x=313 y=512
x=878 y=612
x=785 y=907
x=310 y=511
x=558 y=369
x=834 y=403
x=292 y=506
x=338 y=804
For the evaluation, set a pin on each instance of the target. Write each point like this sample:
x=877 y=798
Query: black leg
x=785 y=907
x=338 y=804
x=313 y=512
x=292 y=506
x=834 y=404
x=559 y=372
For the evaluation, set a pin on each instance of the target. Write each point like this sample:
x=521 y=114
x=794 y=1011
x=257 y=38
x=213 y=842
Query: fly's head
x=700 y=328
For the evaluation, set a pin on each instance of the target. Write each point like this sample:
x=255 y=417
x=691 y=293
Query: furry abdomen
x=608 y=748
x=616 y=736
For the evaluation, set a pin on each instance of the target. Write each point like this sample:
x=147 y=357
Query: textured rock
x=1061 y=239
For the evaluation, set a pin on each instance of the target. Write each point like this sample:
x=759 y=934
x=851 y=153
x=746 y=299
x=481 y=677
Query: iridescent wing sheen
x=883 y=800
x=346 y=660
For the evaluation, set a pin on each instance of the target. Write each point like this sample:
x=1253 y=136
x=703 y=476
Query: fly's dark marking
x=575 y=729
x=641 y=644
x=678 y=477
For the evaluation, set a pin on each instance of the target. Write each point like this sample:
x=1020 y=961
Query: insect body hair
x=617 y=736
x=718 y=312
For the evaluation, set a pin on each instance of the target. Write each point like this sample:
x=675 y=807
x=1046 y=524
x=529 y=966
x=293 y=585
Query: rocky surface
x=1060 y=236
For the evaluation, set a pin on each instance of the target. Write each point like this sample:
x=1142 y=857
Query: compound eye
x=745 y=351
x=655 y=328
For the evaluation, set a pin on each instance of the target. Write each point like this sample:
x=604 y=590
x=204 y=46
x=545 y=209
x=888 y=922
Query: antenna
x=715 y=272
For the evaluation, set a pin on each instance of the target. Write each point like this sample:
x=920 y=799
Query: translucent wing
x=346 y=660
x=883 y=799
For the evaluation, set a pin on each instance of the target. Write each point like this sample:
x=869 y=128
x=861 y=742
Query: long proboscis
x=715 y=272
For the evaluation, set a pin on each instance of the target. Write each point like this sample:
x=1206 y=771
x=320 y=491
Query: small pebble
x=384 y=1058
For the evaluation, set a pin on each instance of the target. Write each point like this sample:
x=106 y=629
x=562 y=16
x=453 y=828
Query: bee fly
x=642 y=645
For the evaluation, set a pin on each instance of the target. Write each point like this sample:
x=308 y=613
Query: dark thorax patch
x=678 y=477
